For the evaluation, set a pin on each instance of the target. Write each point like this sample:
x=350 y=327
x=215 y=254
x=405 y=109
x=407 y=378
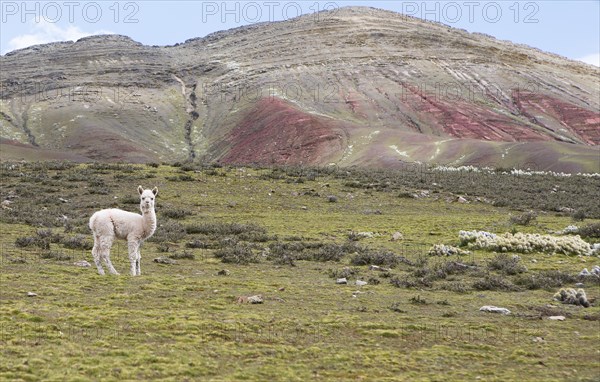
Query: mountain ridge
x=365 y=69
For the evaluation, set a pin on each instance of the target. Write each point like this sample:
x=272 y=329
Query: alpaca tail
x=92 y=221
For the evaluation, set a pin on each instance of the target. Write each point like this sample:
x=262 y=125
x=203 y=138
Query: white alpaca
x=110 y=223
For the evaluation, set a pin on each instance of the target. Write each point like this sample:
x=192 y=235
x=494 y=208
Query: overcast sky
x=568 y=28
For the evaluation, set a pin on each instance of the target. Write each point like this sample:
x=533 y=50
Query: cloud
x=593 y=59
x=44 y=32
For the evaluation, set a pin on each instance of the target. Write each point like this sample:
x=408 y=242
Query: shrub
x=457 y=287
x=417 y=300
x=345 y=272
x=29 y=241
x=446 y=250
x=545 y=280
x=590 y=231
x=524 y=219
x=283 y=259
x=58 y=256
x=508 y=265
x=410 y=282
x=130 y=199
x=237 y=254
x=224 y=229
x=197 y=244
x=176 y=213
x=578 y=215
x=169 y=231
x=49 y=234
x=525 y=243
x=572 y=296
x=180 y=178
x=330 y=252
x=395 y=307
x=373 y=281
x=439 y=271
x=182 y=255
x=493 y=282
x=381 y=258
x=77 y=242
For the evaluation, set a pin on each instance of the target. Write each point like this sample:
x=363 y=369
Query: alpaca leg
x=111 y=269
x=96 y=255
x=133 y=247
x=138 y=263
x=105 y=245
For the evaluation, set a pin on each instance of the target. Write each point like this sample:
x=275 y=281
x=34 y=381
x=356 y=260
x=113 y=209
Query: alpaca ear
x=140 y=189
x=155 y=191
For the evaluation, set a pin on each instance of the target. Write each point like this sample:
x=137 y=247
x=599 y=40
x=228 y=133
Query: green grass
x=181 y=322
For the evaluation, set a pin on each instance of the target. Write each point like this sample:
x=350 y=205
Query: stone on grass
x=494 y=309
x=31 y=294
x=557 y=318
x=361 y=283
x=255 y=299
x=341 y=281
x=82 y=263
x=164 y=260
x=397 y=236
x=378 y=268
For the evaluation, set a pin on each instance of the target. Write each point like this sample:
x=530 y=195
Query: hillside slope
x=358 y=86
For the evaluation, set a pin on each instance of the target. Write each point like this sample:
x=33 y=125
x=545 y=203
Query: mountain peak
x=353 y=86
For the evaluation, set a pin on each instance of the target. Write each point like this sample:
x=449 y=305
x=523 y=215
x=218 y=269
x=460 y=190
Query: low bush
x=524 y=219
x=237 y=254
x=77 y=242
x=381 y=258
x=345 y=272
x=494 y=282
x=545 y=280
x=175 y=213
x=182 y=255
x=509 y=265
x=224 y=229
x=590 y=231
x=58 y=256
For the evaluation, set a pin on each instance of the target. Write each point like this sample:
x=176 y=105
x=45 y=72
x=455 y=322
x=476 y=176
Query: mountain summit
x=355 y=86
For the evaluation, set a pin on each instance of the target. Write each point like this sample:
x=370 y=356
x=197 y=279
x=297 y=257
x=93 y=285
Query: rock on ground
x=164 y=260
x=557 y=318
x=494 y=309
x=397 y=236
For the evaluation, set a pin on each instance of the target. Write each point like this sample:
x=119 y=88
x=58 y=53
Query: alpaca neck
x=149 y=218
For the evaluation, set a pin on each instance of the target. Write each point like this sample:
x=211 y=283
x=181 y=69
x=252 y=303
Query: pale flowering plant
x=527 y=243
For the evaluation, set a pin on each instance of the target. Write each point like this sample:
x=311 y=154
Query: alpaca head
x=147 y=198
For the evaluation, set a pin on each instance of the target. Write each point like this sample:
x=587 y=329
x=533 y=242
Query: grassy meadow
x=288 y=234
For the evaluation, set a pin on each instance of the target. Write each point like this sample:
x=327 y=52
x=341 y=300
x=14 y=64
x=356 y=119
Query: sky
x=568 y=28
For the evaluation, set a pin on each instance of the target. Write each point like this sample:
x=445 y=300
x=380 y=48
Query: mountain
x=354 y=86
